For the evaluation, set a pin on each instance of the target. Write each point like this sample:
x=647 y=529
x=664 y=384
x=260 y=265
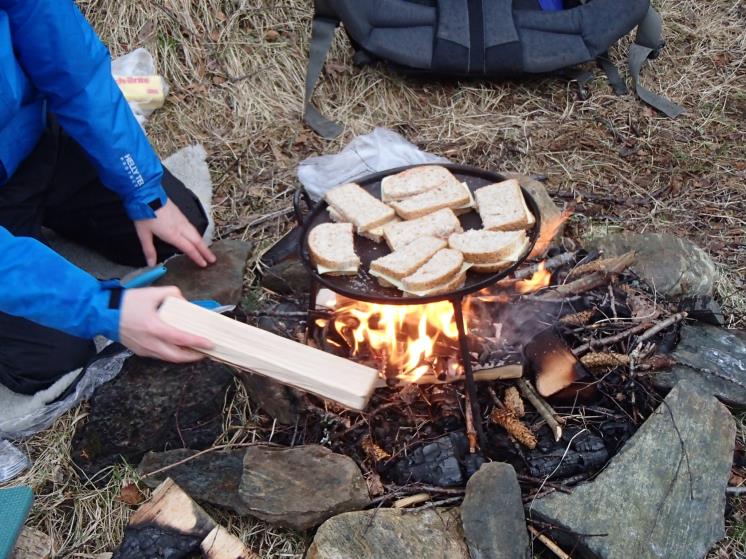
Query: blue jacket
x=51 y=60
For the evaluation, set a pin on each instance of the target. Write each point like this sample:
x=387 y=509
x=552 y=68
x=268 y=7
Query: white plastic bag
x=139 y=62
x=380 y=150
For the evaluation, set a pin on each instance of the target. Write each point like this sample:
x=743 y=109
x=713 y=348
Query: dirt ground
x=236 y=71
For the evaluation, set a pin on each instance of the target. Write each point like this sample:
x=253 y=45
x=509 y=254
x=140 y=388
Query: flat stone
x=391 y=534
x=492 y=514
x=713 y=359
x=152 y=405
x=211 y=478
x=300 y=487
x=674 y=267
x=662 y=495
x=222 y=281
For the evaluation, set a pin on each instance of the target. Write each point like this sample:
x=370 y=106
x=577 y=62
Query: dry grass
x=237 y=89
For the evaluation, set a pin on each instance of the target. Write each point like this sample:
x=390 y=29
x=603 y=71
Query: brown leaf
x=334 y=69
x=375 y=486
x=131 y=495
x=374 y=452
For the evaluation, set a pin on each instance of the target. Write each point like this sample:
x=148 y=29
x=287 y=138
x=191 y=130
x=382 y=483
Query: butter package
x=147 y=92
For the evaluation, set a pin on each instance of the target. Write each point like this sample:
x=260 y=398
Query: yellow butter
x=147 y=91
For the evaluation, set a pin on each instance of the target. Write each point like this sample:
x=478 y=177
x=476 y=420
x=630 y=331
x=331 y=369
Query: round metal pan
x=365 y=287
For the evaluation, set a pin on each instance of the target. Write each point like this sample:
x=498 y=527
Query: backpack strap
x=648 y=43
x=612 y=74
x=322 y=34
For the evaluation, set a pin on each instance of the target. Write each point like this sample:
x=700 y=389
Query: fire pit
x=427 y=311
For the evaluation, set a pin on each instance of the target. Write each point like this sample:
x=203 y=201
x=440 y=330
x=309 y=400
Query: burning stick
x=549 y=264
x=506 y=372
x=544 y=409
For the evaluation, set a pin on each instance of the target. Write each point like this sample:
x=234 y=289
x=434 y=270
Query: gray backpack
x=487 y=39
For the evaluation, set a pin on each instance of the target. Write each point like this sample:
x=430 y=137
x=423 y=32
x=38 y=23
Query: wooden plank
x=221 y=544
x=286 y=361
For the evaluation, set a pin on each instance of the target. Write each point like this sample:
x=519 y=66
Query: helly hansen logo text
x=132 y=171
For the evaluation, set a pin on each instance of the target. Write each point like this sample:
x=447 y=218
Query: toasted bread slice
x=332 y=249
x=407 y=260
x=454 y=282
x=375 y=234
x=414 y=181
x=507 y=261
x=452 y=195
x=438 y=270
x=359 y=207
x=481 y=246
x=502 y=206
x=438 y=224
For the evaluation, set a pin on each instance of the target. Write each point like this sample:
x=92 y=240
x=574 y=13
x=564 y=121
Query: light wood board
x=286 y=361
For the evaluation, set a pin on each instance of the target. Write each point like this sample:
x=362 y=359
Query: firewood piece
x=220 y=544
x=289 y=362
x=513 y=401
x=514 y=426
x=599 y=360
x=614 y=265
x=549 y=264
x=32 y=544
x=411 y=500
x=505 y=372
x=579 y=318
x=611 y=267
x=603 y=342
x=543 y=409
x=471 y=432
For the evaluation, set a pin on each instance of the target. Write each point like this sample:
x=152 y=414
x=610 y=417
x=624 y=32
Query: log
x=220 y=544
x=252 y=349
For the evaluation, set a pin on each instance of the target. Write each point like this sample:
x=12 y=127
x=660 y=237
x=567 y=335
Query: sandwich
x=332 y=249
x=489 y=251
x=414 y=181
x=355 y=205
x=438 y=224
x=375 y=234
x=394 y=267
x=437 y=272
x=502 y=207
x=453 y=194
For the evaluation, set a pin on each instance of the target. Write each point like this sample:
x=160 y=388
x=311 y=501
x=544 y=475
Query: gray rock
x=713 y=359
x=279 y=401
x=222 y=282
x=391 y=534
x=492 y=514
x=674 y=267
x=657 y=497
x=300 y=487
x=212 y=478
x=288 y=277
x=152 y=405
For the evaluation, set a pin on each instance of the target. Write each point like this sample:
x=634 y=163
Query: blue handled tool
x=143 y=278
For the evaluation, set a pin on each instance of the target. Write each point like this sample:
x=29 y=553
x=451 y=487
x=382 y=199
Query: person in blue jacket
x=74 y=159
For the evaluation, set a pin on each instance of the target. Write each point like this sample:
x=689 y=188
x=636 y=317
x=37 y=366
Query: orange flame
x=405 y=334
x=538 y=280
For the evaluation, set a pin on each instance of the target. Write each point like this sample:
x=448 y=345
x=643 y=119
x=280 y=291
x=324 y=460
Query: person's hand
x=142 y=331
x=171 y=226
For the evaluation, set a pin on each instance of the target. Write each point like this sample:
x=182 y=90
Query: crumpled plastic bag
x=139 y=62
x=380 y=150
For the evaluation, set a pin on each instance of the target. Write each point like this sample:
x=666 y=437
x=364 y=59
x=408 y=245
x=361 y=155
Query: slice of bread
x=507 y=261
x=457 y=281
x=481 y=246
x=438 y=224
x=375 y=234
x=332 y=249
x=452 y=195
x=407 y=260
x=359 y=207
x=414 y=181
x=502 y=206
x=437 y=271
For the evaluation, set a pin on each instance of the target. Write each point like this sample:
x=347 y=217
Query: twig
x=539 y=481
x=602 y=342
x=671 y=320
x=471 y=432
x=415 y=499
x=614 y=265
x=551 y=546
x=607 y=268
x=549 y=264
x=433 y=504
x=258 y=221
x=544 y=409
x=279 y=314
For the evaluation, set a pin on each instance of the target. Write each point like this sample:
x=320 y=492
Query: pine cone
x=579 y=318
x=514 y=426
x=374 y=452
x=514 y=402
x=599 y=360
